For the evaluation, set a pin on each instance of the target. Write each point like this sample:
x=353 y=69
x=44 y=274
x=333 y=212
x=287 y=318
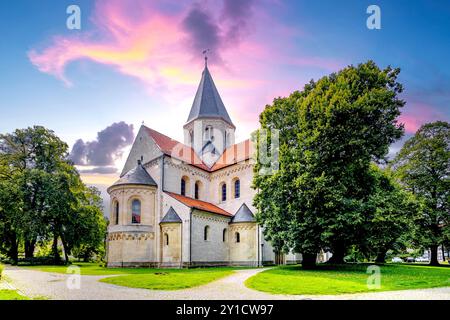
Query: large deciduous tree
x=42 y=196
x=423 y=166
x=328 y=135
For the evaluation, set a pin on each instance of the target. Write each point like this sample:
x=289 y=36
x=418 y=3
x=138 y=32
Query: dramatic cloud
x=237 y=14
x=161 y=43
x=203 y=31
x=99 y=156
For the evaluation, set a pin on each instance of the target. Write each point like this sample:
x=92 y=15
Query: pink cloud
x=160 y=43
x=416 y=114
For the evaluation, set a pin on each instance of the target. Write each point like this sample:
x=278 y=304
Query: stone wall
x=171 y=241
x=132 y=244
x=244 y=252
x=213 y=250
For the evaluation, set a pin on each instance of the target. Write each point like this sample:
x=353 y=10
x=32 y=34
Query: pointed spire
x=207 y=102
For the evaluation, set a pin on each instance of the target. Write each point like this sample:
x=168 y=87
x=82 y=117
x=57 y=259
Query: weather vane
x=205 y=53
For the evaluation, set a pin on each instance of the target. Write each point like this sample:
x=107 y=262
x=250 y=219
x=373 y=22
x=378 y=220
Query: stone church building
x=188 y=204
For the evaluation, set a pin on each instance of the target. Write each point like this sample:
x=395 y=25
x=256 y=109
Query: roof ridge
x=191 y=202
x=193 y=156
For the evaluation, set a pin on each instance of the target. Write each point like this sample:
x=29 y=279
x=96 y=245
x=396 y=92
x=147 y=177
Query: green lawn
x=347 y=279
x=91 y=269
x=11 y=295
x=148 y=278
x=170 y=279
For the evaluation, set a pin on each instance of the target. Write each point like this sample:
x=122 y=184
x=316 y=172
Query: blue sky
x=136 y=61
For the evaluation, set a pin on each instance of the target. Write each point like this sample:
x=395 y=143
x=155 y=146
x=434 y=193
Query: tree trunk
x=14 y=252
x=443 y=253
x=309 y=260
x=29 y=248
x=66 y=249
x=434 y=255
x=381 y=257
x=56 y=257
x=339 y=252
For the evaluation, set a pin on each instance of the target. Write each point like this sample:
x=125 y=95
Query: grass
x=347 y=279
x=11 y=295
x=94 y=269
x=147 y=278
x=170 y=279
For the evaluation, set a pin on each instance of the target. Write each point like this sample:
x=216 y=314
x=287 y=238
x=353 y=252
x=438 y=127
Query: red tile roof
x=200 y=205
x=176 y=149
x=234 y=154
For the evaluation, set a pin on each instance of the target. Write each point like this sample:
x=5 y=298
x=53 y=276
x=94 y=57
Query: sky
x=140 y=61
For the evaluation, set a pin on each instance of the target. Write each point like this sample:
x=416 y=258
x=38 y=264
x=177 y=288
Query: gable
x=143 y=146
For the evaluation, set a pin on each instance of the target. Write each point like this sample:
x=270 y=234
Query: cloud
x=237 y=14
x=99 y=156
x=416 y=114
x=99 y=170
x=148 y=41
x=160 y=43
x=203 y=32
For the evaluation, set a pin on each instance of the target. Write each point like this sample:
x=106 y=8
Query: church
x=189 y=204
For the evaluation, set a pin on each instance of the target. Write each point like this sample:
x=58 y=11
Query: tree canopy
x=423 y=167
x=329 y=134
x=42 y=196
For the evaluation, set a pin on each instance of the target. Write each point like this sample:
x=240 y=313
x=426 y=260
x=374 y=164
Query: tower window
x=183 y=187
x=238 y=237
x=237 y=188
x=224 y=235
x=197 y=190
x=136 y=211
x=208 y=133
x=223 y=192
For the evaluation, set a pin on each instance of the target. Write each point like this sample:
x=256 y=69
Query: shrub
x=1 y=270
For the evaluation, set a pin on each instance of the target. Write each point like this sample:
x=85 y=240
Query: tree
x=328 y=135
x=10 y=212
x=390 y=212
x=423 y=167
x=37 y=153
x=43 y=198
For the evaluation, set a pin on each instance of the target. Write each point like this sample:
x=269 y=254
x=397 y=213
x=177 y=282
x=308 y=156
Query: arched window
x=136 y=211
x=209 y=133
x=238 y=237
x=237 y=188
x=116 y=212
x=183 y=187
x=166 y=239
x=206 y=233
x=224 y=235
x=223 y=192
x=197 y=190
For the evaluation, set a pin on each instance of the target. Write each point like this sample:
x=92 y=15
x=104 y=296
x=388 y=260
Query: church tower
x=209 y=129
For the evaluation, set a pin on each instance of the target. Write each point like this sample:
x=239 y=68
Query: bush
x=1 y=270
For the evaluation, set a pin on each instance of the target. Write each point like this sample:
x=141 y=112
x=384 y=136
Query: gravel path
x=54 y=286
